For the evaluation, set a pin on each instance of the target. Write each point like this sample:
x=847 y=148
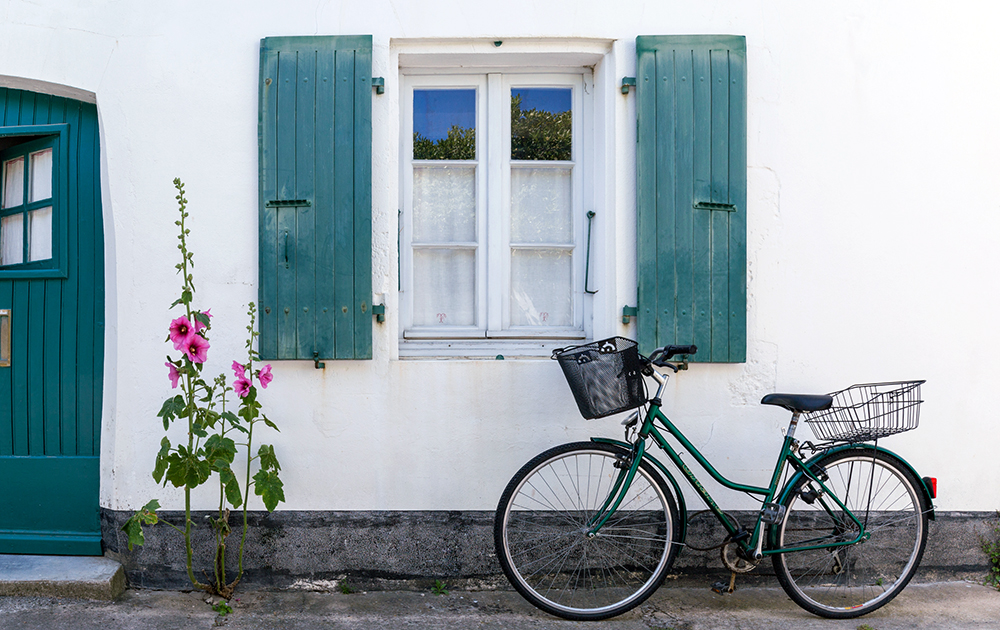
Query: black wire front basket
x=605 y=376
x=867 y=412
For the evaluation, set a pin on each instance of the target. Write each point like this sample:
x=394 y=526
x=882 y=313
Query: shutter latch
x=288 y=203
x=319 y=364
x=708 y=205
x=378 y=310
x=379 y=84
x=627 y=82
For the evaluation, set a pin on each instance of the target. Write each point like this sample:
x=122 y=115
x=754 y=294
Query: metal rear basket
x=605 y=376
x=867 y=412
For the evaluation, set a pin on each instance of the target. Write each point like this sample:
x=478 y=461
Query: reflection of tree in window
x=459 y=144
x=537 y=134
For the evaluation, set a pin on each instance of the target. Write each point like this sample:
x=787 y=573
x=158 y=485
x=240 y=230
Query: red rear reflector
x=931 y=483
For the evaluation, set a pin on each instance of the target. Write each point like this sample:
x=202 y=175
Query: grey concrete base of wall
x=410 y=550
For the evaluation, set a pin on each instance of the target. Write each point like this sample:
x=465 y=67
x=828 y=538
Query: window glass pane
x=541 y=124
x=540 y=205
x=541 y=287
x=40 y=174
x=444 y=287
x=40 y=234
x=444 y=204
x=13 y=183
x=444 y=124
x=11 y=239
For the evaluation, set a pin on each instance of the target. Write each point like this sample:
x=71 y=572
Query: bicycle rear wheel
x=543 y=519
x=852 y=580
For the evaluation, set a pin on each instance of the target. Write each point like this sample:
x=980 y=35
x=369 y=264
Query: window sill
x=481 y=349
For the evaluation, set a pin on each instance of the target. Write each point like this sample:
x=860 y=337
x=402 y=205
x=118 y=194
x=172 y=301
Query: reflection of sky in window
x=436 y=111
x=553 y=100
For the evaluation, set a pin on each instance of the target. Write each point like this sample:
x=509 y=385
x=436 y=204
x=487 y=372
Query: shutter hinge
x=628 y=312
x=378 y=310
x=379 y=84
x=627 y=82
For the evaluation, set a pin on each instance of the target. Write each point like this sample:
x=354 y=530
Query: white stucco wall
x=872 y=234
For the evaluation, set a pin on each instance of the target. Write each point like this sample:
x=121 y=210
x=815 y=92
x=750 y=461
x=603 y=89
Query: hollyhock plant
x=181 y=332
x=242 y=386
x=197 y=349
x=206 y=447
x=264 y=376
x=173 y=374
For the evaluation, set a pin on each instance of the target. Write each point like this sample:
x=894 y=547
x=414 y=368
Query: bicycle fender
x=847 y=447
x=678 y=495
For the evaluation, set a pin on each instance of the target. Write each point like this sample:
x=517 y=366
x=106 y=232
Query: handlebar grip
x=675 y=350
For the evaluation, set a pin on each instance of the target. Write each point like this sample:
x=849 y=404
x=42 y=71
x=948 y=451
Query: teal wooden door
x=51 y=324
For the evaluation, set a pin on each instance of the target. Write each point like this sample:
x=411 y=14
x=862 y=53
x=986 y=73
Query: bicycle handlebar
x=660 y=356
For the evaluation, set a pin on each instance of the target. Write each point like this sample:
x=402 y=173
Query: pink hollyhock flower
x=197 y=324
x=197 y=349
x=181 y=332
x=173 y=375
x=242 y=386
x=265 y=376
x=239 y=370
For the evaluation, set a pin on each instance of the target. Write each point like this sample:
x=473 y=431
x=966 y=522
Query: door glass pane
x=540 y=205
x=40 y=234
x=541 y=124
x=444 y=287
x=541 y=282
x=12 y=239
x=444 y=204
x=444 y=124
x=40 y=174
x=13 y=183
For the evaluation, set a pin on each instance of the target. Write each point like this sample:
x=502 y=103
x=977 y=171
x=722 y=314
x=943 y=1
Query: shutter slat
x=665 y=169
x=325 y=302
x=362 y=203
x=683 y=196
x=304 y=216
x=646 y=237
x=267 y=190
x=719 y=348
x=692 y=260
x=343 y=206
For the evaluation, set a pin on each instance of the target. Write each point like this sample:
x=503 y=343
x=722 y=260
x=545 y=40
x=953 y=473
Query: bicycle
x=589 y=530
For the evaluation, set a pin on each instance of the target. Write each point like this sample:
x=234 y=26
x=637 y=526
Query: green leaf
x=230 y=417
x=133 y=529
x=220 y=448
x=269 y=423
x=204 y=319
x=268 y=461
x=186 y=469
x=232 y=486
x=161 y=460
x=172 y=408
x=133 y=526
x=269 y=488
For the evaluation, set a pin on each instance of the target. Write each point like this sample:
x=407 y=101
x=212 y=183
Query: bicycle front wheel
x=852 y=580
x=542 y=530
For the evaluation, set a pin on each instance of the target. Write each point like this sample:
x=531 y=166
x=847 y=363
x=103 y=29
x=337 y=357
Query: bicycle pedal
x=720 y=587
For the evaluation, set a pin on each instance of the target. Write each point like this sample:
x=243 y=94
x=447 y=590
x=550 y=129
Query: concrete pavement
x=945 y=605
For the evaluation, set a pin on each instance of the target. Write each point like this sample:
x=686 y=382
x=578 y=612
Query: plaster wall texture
x=872 y=233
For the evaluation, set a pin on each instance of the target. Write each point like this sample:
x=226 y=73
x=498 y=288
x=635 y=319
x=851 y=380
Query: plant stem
x=246 y=498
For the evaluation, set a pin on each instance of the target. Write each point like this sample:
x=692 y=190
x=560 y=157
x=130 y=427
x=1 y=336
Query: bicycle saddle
x=799 y=403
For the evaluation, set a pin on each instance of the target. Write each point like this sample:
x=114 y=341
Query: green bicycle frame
x=753 y=543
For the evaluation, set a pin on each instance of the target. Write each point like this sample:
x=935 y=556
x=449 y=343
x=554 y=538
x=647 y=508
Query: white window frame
x=493 y=330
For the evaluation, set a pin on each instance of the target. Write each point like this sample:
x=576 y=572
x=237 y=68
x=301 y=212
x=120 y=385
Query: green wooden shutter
x=691 y=193
x=315 y=197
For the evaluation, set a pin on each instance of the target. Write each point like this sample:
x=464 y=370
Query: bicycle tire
x=853 y=580
x=541 y=524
